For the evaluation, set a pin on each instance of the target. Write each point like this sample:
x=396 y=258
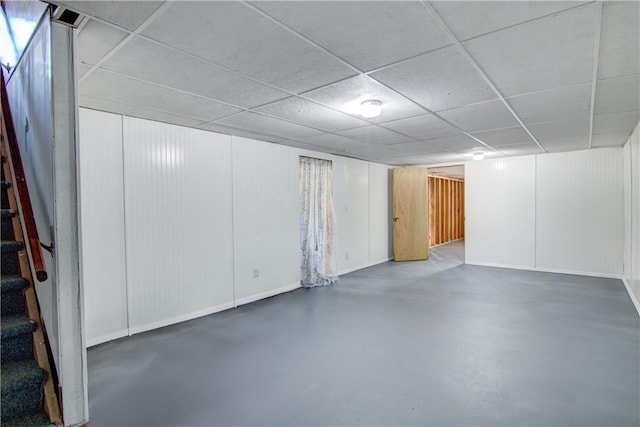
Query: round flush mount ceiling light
x=370 y=109
x=478 y=156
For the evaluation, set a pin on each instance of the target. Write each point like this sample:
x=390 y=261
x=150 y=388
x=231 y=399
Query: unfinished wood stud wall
x=446 y=210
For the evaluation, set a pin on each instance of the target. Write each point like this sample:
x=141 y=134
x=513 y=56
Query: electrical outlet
x=256 y=273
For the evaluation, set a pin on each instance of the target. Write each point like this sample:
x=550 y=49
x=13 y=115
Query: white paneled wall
x=178 y=211
x=203 y=215
x=102 y=225
x=631 y=154
x=500 y=212
x=266 y=215
x=351 y=203
x=552 y=212
x=380 y=231
x=579 y=221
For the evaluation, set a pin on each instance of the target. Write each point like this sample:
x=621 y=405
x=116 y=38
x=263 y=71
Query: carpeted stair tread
x=11 y=246
x=17 y=374
x=17 y=324
x=9 y=257
x=39 y=419
x=21 y=389
x=13 y=283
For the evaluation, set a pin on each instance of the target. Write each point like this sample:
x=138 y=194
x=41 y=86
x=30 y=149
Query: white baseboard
x=546 y=270
x=499 y=265
x=107 y=337
x=636 y=304
x=178 y=319
x=267 y=294
x=361 y=266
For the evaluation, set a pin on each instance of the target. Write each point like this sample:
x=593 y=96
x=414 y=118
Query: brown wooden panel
x=410 y=214
x=446 y=210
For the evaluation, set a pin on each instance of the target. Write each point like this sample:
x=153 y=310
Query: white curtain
x=318 y=266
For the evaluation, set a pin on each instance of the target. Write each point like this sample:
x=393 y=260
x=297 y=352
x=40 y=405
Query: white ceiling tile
x=616 y=123
x=413 y=148
x=233 y=35
x=332 y=141
x=96 y=40
x=444 y=157
x=371 y=151
x=258 y=123
x=158 y=64
x=609 y=140
x=545 y=53
x=422 y=127
x=571 y=143
x=506 y=136
x=136 y=111
x=620 y=39
x=228 y=130
x=618 y=95
x=574 y=129
x=481 y=116
x=310 y=114
x=410 y=161
x=455 y=143
x=305 y=146
x=129 y=16
x=114 y=87
x=347 y=96
x=437 y=80
x=374 y=134
x=472 y=18
x=565 y=135
x=520 y=149
x=372 y=33
x=566 y=103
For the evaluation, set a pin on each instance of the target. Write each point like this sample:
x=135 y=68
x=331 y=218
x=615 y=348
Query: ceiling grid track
x=300 y=36
x=478 y=69
x=159 y=11
x=596 y=58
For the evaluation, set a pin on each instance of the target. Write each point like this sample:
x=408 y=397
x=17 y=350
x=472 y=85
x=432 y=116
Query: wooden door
x=410 y=214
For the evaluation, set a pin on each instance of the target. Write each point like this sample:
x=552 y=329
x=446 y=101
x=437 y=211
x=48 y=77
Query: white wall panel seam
x=233 y=219
x=535 y=211
x=124 y=217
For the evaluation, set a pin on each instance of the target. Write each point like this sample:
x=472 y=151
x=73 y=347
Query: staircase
x=23 y=379
x=27 y=391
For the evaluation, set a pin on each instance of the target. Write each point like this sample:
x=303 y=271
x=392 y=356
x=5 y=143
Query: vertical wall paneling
x=380 y=231
x=266 y=216
x=102 y=224
x=579 y=212
x=446 y=198
x=635 y=212
x=628 y=202
x=351 y=202
x=197 y=215
x=178 y=223
x=500 y=211
x=631 y=274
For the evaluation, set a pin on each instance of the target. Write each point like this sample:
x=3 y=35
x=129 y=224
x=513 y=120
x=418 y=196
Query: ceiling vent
x=66 y=16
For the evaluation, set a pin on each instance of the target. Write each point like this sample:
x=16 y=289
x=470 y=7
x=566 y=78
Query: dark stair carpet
x=22 y=380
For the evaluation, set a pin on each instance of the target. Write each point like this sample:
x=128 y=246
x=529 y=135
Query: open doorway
x=446 y=206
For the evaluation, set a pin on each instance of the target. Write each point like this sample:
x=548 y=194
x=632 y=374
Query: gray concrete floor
x=416 y=343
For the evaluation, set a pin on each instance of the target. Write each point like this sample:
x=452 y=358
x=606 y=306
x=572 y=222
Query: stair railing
x=24 y=201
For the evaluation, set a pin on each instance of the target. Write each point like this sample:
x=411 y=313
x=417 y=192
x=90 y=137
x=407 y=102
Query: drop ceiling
x=454 y=78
